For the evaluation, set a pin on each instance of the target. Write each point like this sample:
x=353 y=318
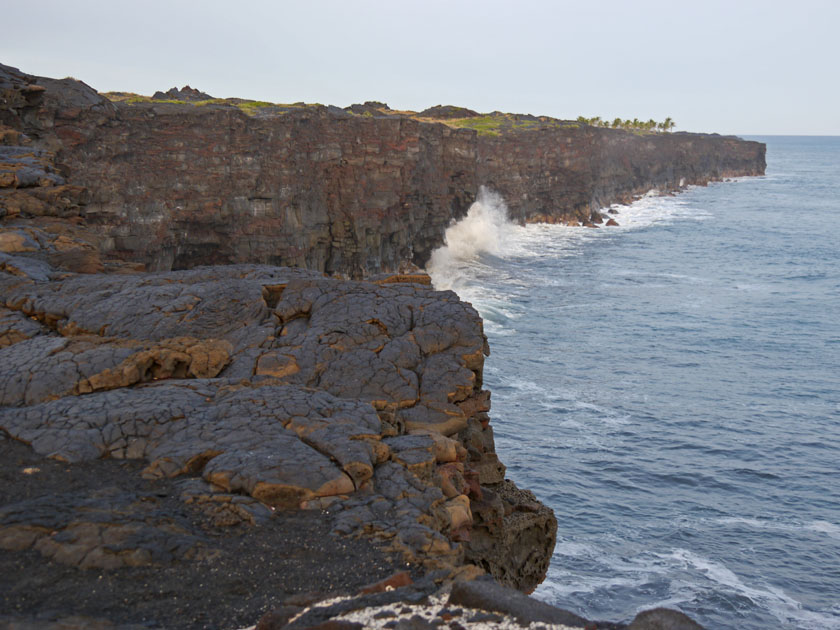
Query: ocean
x=671 y=388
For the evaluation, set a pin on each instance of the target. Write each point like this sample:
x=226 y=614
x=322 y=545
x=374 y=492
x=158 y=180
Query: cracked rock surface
x=251 y=393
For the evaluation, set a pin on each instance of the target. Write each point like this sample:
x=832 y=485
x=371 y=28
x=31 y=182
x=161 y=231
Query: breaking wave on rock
x=485 y=230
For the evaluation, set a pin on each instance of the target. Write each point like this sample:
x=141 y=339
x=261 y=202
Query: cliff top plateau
x=493 y=123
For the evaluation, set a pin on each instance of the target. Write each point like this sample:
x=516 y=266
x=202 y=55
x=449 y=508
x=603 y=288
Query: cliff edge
x=172 y=183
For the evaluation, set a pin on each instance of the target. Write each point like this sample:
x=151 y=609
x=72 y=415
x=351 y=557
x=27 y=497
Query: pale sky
x=742 y=67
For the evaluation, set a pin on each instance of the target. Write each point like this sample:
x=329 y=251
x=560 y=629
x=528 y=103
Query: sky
x=734 y=67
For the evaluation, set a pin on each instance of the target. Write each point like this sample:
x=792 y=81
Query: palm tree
x=668 y=124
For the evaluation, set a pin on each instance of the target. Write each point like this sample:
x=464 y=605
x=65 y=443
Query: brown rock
x=276 y=364
x=458 y=509
x=15 y=242
x=397 y=580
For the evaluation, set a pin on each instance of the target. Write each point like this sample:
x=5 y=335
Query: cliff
x=176 y=183
x=567 y=174
x=155 y=412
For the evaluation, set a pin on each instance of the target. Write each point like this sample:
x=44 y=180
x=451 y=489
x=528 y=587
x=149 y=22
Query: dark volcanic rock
x=152 y=422
x=566 y=174
x=350 y=192
x=186 y=93
x=486 y=594
x=257 y=390
x=663 y=619
x=444 y=112
x=184 y=568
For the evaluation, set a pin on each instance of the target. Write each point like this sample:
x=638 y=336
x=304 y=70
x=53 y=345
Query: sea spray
x=483 y=230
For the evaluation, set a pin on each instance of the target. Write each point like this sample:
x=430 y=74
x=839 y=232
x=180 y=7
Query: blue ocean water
x=671 y=388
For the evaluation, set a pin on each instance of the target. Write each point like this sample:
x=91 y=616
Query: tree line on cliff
x=635 y=124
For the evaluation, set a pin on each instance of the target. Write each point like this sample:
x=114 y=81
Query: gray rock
x=663 y=619
x=275 y=386
x=486 y=594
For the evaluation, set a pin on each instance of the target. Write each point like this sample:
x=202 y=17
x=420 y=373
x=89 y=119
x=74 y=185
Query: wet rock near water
x=426 y=605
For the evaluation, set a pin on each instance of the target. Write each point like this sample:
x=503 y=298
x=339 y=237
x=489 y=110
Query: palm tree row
x=635 y=124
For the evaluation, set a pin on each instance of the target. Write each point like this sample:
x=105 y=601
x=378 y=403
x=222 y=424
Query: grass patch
x=250 y=107
x=146 y=99
x=497 y=124
x=484 y=125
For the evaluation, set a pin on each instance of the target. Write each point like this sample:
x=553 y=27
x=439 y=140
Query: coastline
x=411 y=461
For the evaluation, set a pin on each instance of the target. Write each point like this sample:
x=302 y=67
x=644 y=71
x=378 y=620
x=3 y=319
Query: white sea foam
x=823 y=527
x=690 y=578
x=483 y=231
x=486 y=250
x=771 y=598
x=627 y=573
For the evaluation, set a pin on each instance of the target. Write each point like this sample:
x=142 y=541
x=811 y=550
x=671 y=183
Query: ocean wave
x=680 y=579
x=822 y=527
x=766 y=596
x=484 y=230
x=475 y=246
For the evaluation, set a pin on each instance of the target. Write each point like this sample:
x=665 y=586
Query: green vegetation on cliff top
x=493 y=124
x=249 y=107
x=498 y=123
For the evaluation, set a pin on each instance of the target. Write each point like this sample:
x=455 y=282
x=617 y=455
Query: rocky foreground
x=221 y=432
x=260 y=390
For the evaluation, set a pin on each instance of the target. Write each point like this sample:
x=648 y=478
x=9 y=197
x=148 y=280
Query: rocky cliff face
x=566 y=174
x=354 y=192
x=174 y=186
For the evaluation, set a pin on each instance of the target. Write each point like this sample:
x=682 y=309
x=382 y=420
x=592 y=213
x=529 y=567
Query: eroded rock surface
x=271 y=389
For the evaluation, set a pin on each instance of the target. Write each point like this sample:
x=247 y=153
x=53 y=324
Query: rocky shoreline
x=203 y=447
x=177 y=182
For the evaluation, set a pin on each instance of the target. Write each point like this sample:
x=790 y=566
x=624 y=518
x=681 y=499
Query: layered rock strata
x=172 y=185
x=569 y=174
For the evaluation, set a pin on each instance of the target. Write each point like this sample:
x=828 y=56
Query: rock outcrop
x=422 y=605
x=173 y=185
x=269 y=389
x=567 y=174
